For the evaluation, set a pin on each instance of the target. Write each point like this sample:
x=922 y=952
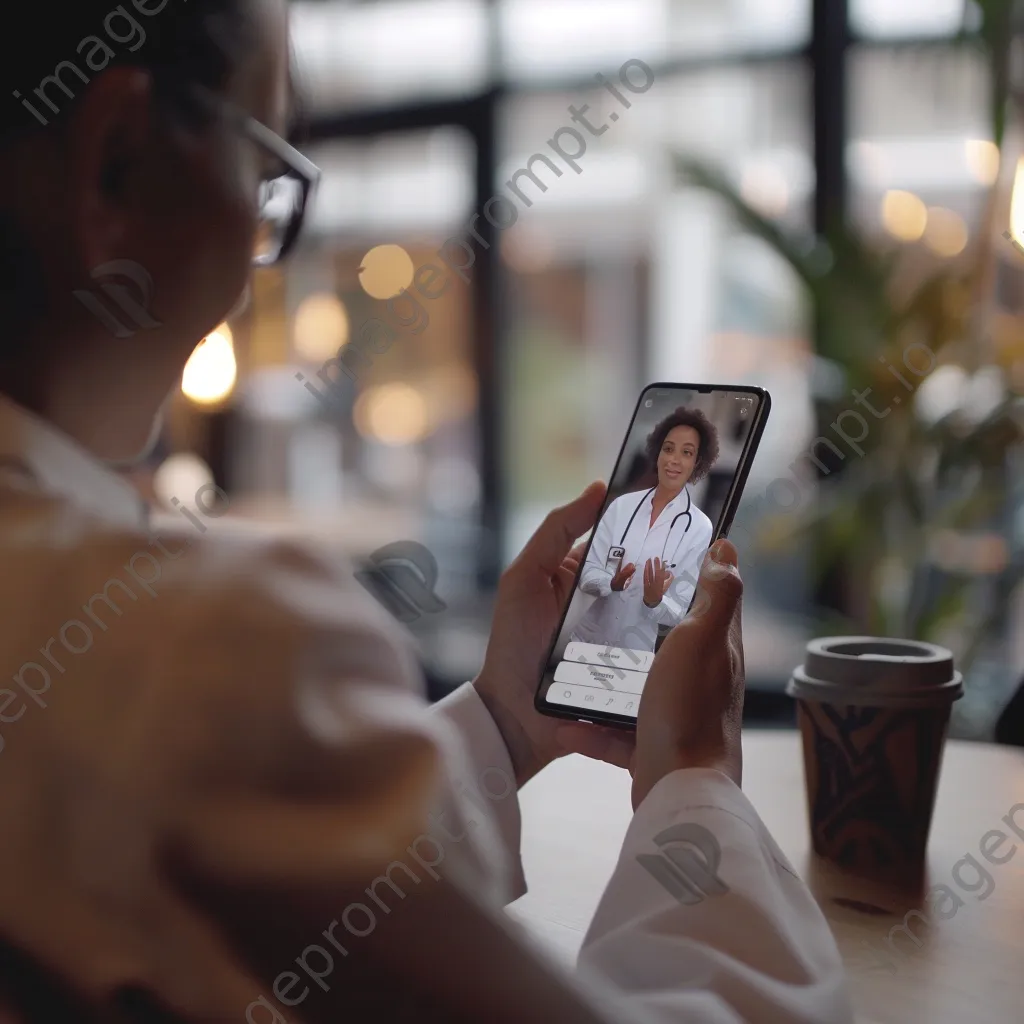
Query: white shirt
x=622 y=618
x=221 y=785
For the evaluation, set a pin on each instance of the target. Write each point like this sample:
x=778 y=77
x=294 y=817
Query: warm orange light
x=385 y=271
x=321 y=326
x=1017 y=204
x=982 y=160
x=210 y=374
x=904 y=215
x=394 y=414
x=946 y=233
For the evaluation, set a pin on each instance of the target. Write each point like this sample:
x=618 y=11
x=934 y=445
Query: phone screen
x=674 y=491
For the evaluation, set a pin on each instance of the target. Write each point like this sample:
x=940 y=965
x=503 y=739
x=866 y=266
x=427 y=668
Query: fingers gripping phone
x=673 y=492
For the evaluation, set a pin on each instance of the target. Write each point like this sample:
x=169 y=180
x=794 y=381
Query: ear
x=107 y=140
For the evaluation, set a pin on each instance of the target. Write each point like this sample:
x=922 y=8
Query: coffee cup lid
x=877 y=672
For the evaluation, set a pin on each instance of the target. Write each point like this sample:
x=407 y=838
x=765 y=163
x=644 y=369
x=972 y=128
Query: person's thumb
x=719 y=589
x=553 y=538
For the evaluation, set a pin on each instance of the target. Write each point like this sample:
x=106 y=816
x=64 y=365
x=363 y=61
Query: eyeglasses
x=284 y=197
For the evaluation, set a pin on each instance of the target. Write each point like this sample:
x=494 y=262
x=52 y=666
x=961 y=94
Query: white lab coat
x=223 y=787
x=621 y=618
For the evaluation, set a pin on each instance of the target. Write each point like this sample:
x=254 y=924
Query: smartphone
x=673 y=492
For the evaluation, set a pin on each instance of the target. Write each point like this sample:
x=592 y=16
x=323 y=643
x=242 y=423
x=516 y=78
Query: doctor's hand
x=657 y=579
x=532 y=595
x=621 y=579
x=691 y=710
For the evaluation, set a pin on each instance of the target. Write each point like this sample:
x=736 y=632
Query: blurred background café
x=803 y=195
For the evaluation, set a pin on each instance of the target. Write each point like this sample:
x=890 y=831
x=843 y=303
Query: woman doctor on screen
x=659 y=532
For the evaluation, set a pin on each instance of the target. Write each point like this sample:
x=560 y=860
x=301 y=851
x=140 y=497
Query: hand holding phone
x=692 y=710
x=531 y=600
x=674 y=491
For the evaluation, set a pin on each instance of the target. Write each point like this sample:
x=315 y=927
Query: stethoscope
x=685 y=512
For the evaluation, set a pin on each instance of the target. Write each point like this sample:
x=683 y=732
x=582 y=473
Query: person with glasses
x=223 y=795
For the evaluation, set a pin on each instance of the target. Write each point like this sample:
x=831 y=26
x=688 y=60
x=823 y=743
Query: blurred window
x=614 y=273
x=893 y=19
x=353 y=55
x=391 y=454
x=549 y=38
x=919 y=124
x=357 y=55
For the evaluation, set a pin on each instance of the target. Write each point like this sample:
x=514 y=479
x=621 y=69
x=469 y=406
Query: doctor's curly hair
x=707 y=451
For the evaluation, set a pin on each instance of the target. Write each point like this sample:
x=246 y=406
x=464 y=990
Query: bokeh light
x=946 y=233
x=941 y=393
x=385 y=271
x=181 y=476
x=982 y=160
x=765 y=188
x=212 y=370
x=1017 y=204
x=394 y=414
x=904 y=215
x=321 y=326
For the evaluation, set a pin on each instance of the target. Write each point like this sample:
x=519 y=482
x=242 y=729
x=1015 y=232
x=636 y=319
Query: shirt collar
x=680 y=497
x=57 y=465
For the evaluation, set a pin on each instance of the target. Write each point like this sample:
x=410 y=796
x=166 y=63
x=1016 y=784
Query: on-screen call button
x=596 y=700
x=571 y=696
x=616 y=680
x=601 y=654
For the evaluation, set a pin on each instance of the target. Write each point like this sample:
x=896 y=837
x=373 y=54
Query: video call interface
x=665 y=501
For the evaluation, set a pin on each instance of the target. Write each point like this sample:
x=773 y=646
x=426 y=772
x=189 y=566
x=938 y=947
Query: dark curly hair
x=707 y=450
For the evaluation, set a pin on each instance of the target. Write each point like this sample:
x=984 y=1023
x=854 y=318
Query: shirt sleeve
x=241 y=800
x=489 y=764
x=238 y=807
x=596 y=579
x=381 y=875
x=704 y=920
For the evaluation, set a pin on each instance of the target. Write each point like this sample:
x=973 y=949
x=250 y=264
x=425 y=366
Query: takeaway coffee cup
x=873 y=715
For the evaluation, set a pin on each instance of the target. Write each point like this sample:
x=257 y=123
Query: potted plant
x=912 y=523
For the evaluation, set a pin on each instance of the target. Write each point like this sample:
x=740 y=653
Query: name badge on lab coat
x=614 y=559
